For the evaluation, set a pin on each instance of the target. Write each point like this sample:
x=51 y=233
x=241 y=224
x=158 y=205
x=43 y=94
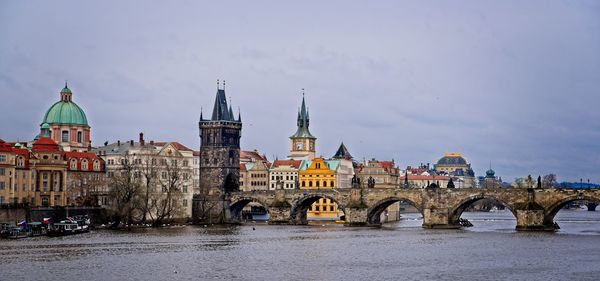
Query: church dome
x=490 y=173
x=65 y=111
x=452 y=159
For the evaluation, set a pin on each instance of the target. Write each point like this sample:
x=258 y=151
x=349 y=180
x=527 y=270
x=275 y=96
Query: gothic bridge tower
x=219 y=161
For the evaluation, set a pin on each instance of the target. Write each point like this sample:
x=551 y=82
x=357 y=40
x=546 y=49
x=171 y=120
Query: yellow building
x=319 y=174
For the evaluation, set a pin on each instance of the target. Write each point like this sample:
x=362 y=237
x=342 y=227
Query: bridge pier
x=592 y=206
x=438 y=218
x=280 y=215
x=533 y=220
x=356 y=216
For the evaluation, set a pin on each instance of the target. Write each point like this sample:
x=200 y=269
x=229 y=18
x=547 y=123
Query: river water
x=491 y=250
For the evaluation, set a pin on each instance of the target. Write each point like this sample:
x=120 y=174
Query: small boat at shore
x=69 y=226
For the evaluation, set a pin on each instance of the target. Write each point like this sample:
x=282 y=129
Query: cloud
x=514 y=83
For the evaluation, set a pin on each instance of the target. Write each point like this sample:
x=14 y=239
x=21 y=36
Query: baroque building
x=219 y=171
x=319 y=174
x=302 y=143
x=67 y=123
x=456 y=166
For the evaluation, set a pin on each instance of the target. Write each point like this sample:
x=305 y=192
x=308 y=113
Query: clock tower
x=302 y=142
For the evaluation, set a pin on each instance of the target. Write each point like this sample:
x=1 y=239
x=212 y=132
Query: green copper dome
x=65 y=111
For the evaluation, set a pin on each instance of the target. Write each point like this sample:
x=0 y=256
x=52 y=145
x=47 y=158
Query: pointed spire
x=221 y=110
x=239 y=115
x=342 y=153
x=201 y=114
x=303 y=121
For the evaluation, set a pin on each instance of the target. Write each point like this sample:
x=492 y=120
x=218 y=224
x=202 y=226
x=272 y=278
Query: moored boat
x=69 y=226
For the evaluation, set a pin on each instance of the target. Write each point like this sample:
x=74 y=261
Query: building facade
x=283 y=174
x=318 y=174
x=162 y=169
x=384 y=173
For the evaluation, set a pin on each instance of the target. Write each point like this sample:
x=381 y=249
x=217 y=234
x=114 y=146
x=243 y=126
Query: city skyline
x=537 y=115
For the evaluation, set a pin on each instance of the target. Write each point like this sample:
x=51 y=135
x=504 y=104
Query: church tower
x=302 y=142
x=219 y=160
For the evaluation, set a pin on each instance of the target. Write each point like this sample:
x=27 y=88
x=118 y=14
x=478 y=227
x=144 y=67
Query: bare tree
x=147 y=166
x=166 y=204
x=85 y=187
x=125 y=189
x=549 y=181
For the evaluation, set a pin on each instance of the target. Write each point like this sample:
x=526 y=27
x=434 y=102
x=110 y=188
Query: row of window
x=287 y=178
x=317 y=184
x=65 y=136
x=318 y=176
x=153 y=161
x=321 y=208
x=258 y=183
x=285 y=185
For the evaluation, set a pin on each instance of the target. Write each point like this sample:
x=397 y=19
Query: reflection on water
x=489 y=250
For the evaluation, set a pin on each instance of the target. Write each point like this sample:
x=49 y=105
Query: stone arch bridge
x=534 y=209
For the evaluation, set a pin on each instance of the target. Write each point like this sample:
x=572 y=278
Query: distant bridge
x=534 y=209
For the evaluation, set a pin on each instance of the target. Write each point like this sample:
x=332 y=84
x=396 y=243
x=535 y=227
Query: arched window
x=310 y=184
x=332 y=185
x=73 y=164
x=318 y=183
x=79 y=137
x=303 y=183
x=84 y=164
x=324 y=184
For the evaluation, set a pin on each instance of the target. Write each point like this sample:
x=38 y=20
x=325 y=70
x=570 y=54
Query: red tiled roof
x=242 y=167
x=252 y=154
x=90 y=156
x=80 y=155
x=45 y=144
x=294 y=163
x=5 y=147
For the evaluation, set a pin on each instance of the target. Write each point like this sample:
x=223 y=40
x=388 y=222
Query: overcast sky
x=514 y=83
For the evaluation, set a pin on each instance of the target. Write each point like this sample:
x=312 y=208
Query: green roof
x=65 y=89
x=65 y=112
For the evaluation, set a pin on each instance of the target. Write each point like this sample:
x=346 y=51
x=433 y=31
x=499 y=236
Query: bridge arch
x=299 y=211
x=236 y=207
x=456 y=211
x=374 y=212
x=557 y=206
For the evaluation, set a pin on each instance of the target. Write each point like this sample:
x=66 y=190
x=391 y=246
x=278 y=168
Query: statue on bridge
x=371 y=182
x=355 y=182
x=450 y=183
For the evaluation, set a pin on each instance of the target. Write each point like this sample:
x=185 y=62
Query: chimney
x=151 y=142
x=131 y=142
x=142 y=142
x=118 y=143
